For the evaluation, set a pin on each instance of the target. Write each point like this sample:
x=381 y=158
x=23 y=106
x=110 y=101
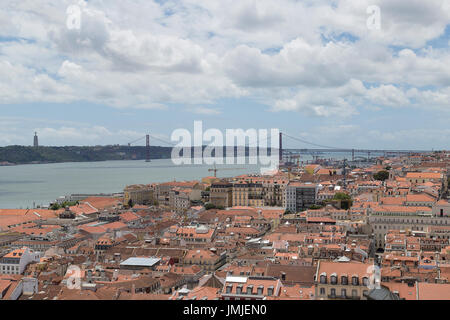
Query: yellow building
x=138 y=194
x=343 y=280
x=422 y=177
x=220 y=194
x=248 y=194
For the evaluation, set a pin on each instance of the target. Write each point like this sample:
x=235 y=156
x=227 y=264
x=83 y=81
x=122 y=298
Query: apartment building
x=383 y=218
x=138 y=194
x=221 y=194
x=248 y=194
x=422 y=177
x=163 y=191
x=250 y=288
x=16 y=261
x=208 y=260
x=300 y=196
x=342 y=280
x=197 y=234
x=274 y=193
x=273 y=187
x=419 y=200
x=441 y=208
x=179 y=200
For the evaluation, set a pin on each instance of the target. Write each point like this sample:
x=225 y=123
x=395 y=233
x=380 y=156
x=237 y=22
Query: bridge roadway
x=353 y=151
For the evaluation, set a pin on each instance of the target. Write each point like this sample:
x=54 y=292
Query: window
x=355 y=281
x=260 y=290
x=323 y=278
x=322 y=291
x=333 y=279
x=333 y=292
x=250 y=289
x=343 y=293
x=365 y=281
x=354 y=293
x=239 y=289
x=344 y=280
x=270 y=291
x=229 y=287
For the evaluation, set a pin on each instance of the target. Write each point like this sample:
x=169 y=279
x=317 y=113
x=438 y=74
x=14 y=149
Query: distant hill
x=24 y=154
x=42 y=154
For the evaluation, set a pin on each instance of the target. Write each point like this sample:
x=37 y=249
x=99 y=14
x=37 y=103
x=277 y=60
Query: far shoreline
x=56 y=162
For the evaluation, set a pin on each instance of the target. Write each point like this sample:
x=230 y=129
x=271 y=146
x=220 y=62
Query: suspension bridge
x=304 y=147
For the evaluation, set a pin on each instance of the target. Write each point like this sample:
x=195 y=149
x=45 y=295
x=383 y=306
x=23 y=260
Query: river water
x=26 y=186
x=23 y=185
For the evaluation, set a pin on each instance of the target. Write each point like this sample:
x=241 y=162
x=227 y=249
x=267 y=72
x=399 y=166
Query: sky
x=330 y=72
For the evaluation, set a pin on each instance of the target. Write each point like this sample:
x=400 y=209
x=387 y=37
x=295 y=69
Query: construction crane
x=216 y=169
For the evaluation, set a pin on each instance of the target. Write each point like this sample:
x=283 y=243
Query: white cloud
x=205 y=111
x=146 y=55
x=387 y=95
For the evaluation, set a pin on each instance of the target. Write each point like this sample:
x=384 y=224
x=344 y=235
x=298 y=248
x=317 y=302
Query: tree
x=341 y=196
x=344 y=200
x=315 y=207
x=55 y=206
x=209 y=206
x=381 y=175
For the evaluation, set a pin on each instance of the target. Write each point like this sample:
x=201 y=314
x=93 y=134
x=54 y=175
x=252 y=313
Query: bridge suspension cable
x=134 y=141
x=153 y=137
x=310 y=143
x=162 y=140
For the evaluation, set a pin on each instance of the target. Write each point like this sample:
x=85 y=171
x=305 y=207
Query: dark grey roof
x=382 y=293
